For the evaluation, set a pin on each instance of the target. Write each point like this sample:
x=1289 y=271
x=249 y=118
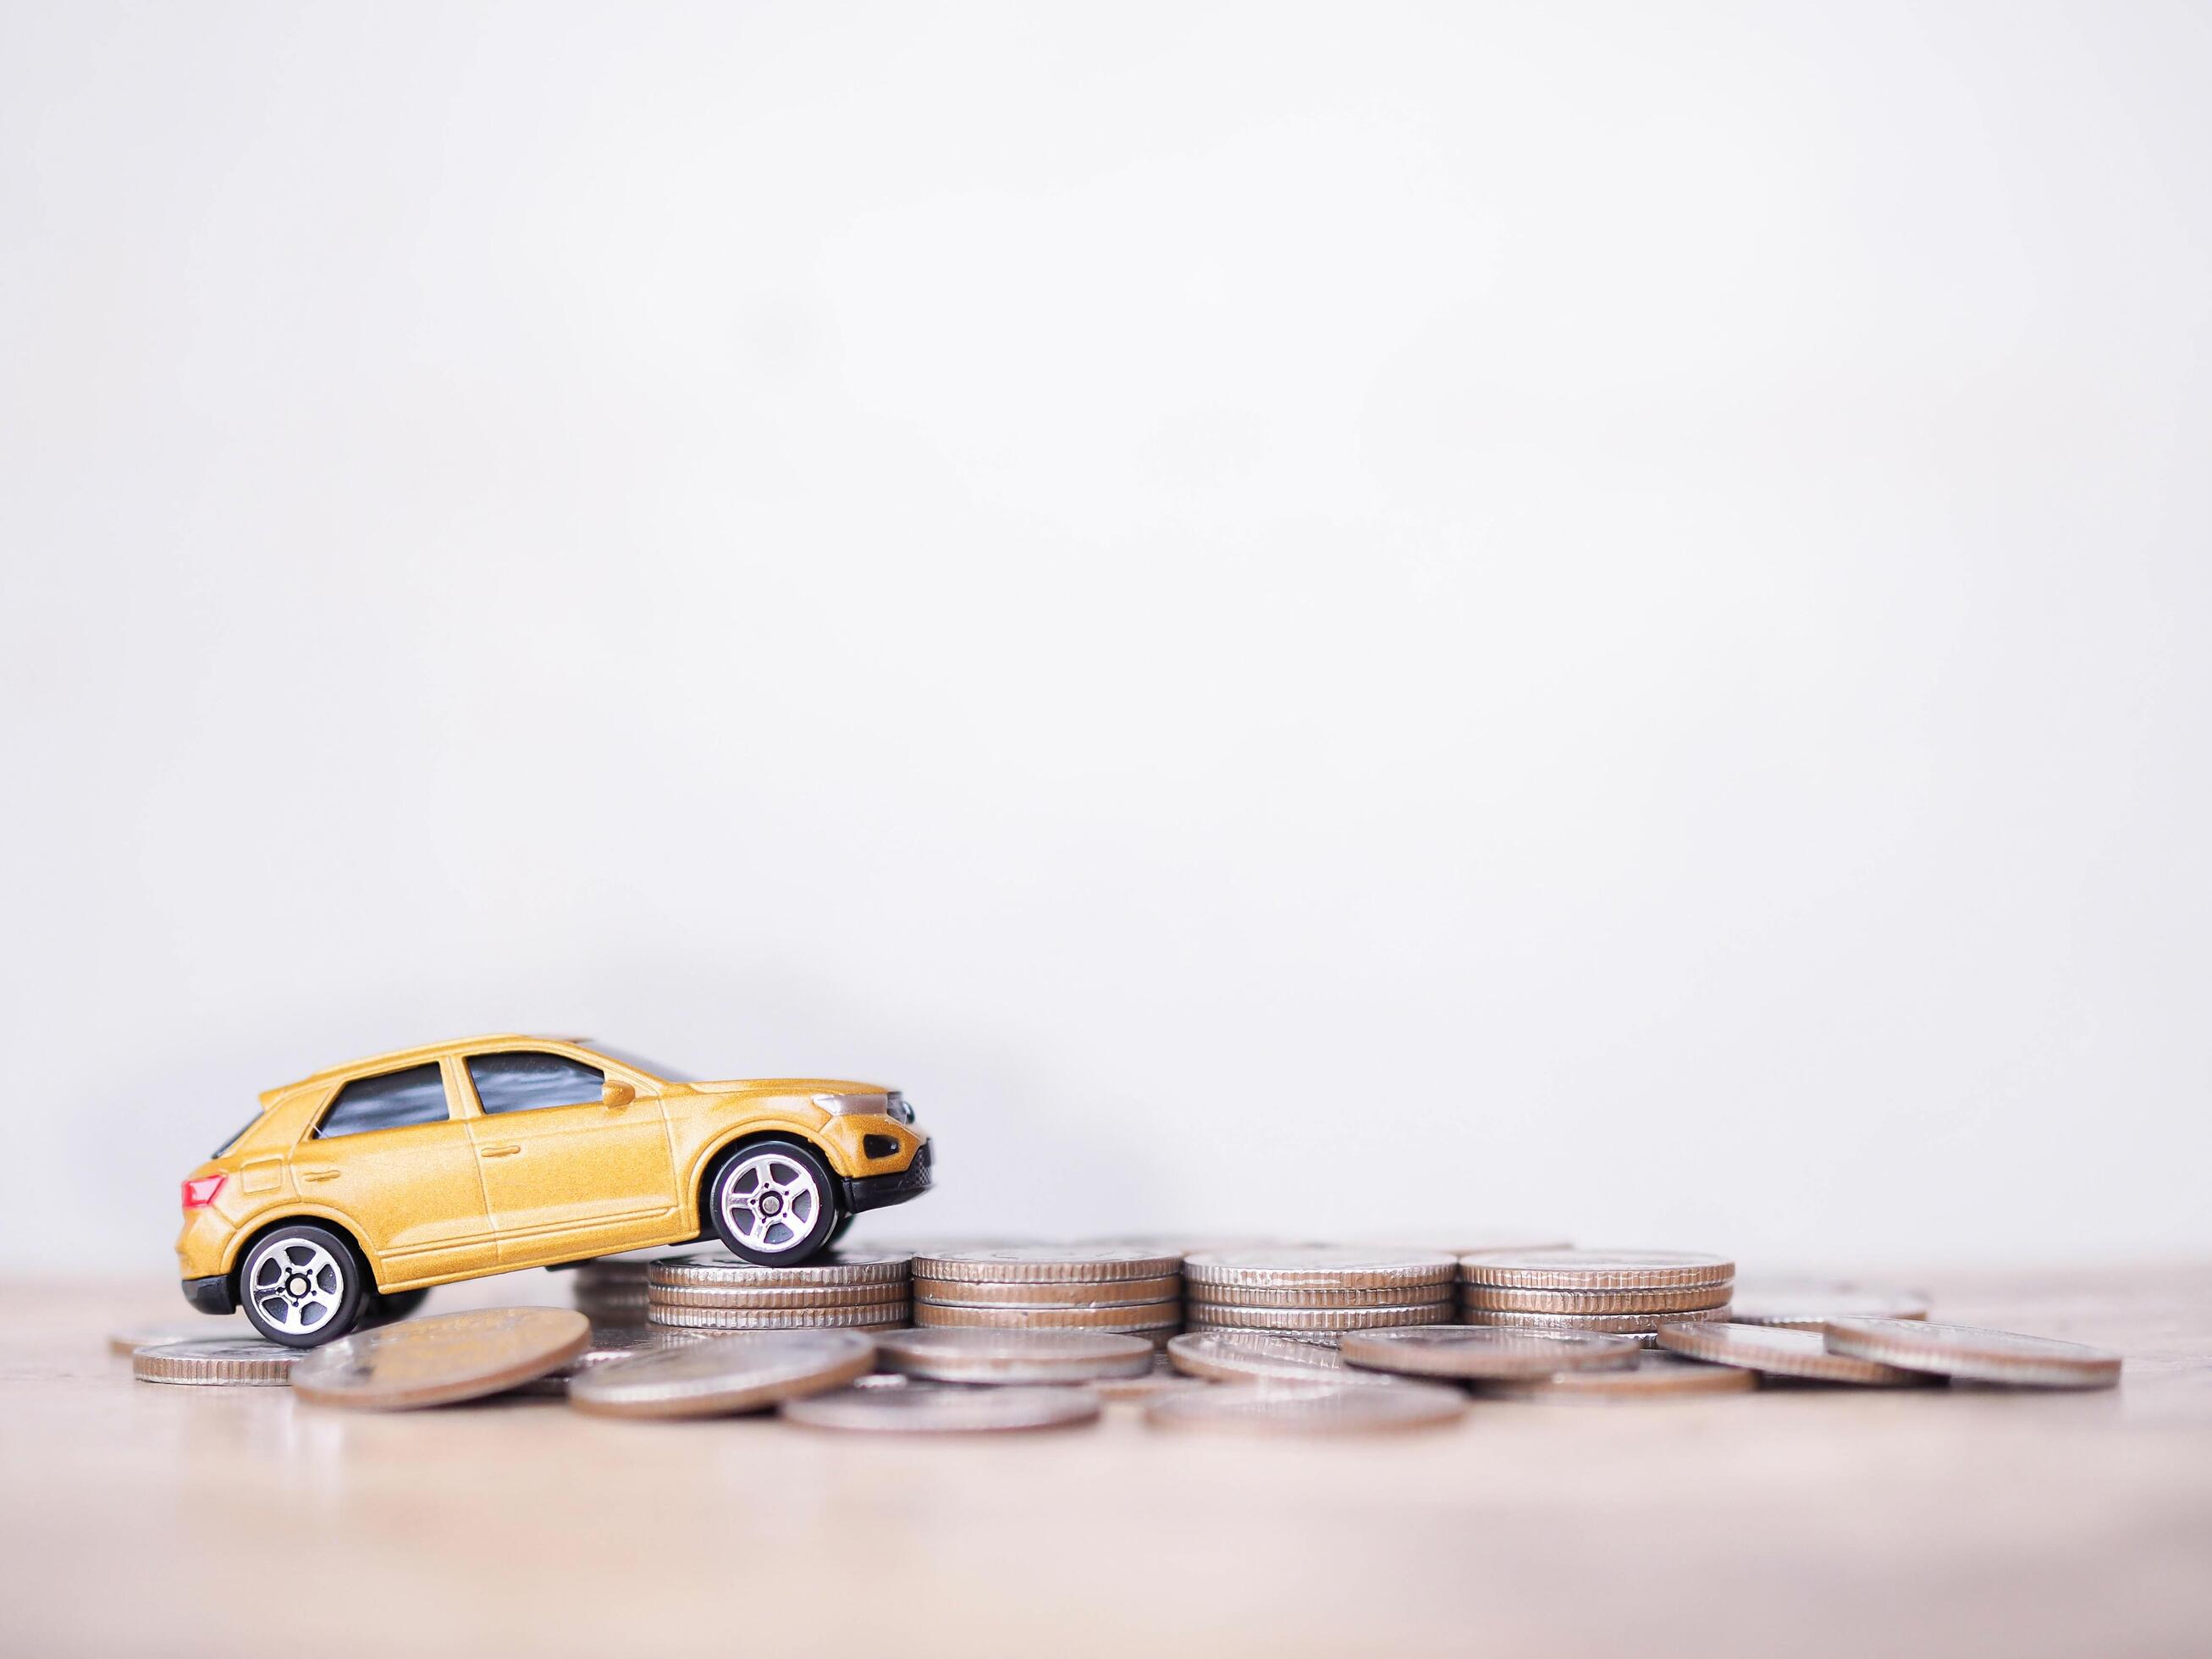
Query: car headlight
x=890 y=1105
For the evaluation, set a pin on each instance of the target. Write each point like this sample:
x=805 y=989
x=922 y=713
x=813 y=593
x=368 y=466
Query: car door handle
x=318 y=1174
x=500 y=1151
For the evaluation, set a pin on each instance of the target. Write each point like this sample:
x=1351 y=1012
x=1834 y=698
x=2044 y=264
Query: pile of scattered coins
x=1301 y=1340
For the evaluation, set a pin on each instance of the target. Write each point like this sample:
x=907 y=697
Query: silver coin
x=1014 y=1357
x=1331 y=1266
x=1486 y=1351
x=872 y=1314
x=720 y=1268
x=1781 y=1353
x=218 y=1361
x=935 y=1408
x=1091 y=1263
x=1067 y=1295
x=1144 y=1317
x=775 y=1296
x=1330 y=1409
x=442 y=1359
x=1231 y=1297
x=132 y=1338
x=1605 y=1324
x=1595 y=1270
x=1217 y=1316
x=1981 y=1356
x=1262 y=1357
x=1654 y=1376
x=745 y=1371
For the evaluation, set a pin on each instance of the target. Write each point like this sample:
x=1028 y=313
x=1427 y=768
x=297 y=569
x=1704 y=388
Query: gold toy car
x=356 y=1190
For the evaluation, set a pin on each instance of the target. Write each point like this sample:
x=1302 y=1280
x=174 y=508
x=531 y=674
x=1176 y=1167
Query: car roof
x=428 y=1051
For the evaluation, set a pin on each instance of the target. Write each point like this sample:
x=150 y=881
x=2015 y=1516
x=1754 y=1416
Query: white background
x=1313 y=621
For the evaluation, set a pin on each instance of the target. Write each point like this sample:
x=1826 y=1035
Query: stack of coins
x=1127 y=1289
x=610 y=1292
x=1610 y=1292
x=1316 y=1292
x=861 y=1290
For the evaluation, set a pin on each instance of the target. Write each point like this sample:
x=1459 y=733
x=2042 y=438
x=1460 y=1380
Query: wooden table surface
x=144 y=1519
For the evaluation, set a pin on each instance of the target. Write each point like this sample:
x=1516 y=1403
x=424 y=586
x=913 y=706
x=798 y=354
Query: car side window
x=393 y=1100
x=526 y=1082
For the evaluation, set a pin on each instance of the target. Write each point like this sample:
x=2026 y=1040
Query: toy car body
x=361 y=1187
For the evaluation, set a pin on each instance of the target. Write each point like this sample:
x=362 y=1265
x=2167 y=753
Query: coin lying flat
x=1605 y=1324
x=1005 y=1357
x=776 y=1296
x=741 y=1372
x=1472 y=1351
x=934 y=1408
x=1595 y=1270
x=1687 y=1298
x=1324 y=1266
x=132 y=1338
x=441 y=1359
x=1316 y=1296
x=1047 y=1293
x=1024 y=1262
x=1809 y=1305
x=1330 y=1409
x=1654 y=1376
x=719 y=1267
x=1145 y=1317
x=1780 y=1352
x=235 y=1361
x=2039 y=1362
x=1214 y=1314
x=1261 y=1357
x=885 y=1314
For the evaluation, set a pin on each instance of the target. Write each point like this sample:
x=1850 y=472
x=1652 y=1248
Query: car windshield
x=637 y=1063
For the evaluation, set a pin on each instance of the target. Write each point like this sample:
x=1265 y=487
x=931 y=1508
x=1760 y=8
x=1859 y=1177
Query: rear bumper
x=873 y=1192
x=211 y=1295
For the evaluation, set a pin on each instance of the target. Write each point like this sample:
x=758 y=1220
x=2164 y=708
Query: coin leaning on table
x=1480 y=1352
x=1328 y=1409
x=216 y=1361
x=1002 y=1356
x=442 y=1359
x=1975 y=1354
x=935 y=1408
x=1778 y=1351
x=746 y=1370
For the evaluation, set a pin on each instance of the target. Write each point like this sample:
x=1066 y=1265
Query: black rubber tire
x=352 y=1291
x=810 y=1241
x=386 y=1306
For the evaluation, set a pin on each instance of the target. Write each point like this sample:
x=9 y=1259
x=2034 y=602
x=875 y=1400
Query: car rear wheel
x=773 y=1202
x=302 y=1285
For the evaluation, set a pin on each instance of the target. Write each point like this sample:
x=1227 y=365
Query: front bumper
x=211 y=1295
x=873 y=1192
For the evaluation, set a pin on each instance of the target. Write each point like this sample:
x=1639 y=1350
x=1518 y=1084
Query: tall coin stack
x=857 y=1289
x=1127 y=1289
x=610 y=1292
x=1316 y=1292
x=1614 y=1292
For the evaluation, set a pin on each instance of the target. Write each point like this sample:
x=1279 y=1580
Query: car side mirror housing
x=615 y=1094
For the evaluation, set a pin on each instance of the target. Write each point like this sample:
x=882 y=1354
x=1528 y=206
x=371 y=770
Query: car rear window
x=391 y=1100
x=233 y=1139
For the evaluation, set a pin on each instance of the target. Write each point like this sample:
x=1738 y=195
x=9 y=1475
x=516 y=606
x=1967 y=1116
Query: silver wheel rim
x=295 y=1286
x=770 y=1201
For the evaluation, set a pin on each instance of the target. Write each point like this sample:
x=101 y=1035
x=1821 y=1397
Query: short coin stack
x=858 y=1290
x=1127 y=1289
x=1607 y=1293
x=1315 y=1292
x=610 y=1292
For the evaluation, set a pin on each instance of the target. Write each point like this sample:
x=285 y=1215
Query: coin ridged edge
x=961 y=1270
x=687 y=1273
x=1216 y=1315
x=1498 y=1271
x=154 y=1364
x=788 y=1298
x=1710 y=1341
x=779 y=1319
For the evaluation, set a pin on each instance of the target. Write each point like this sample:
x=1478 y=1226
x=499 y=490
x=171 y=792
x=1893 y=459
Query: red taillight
x=200 y=1191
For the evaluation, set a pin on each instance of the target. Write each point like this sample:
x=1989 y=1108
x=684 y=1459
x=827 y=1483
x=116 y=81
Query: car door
x=391 y=1154
x=565 y=1173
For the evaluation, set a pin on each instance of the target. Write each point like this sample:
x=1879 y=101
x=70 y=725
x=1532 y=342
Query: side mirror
x=615 y=1095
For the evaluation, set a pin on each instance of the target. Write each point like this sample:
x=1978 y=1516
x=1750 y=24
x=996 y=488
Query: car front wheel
x=301 y=1286
x=773 y=1202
